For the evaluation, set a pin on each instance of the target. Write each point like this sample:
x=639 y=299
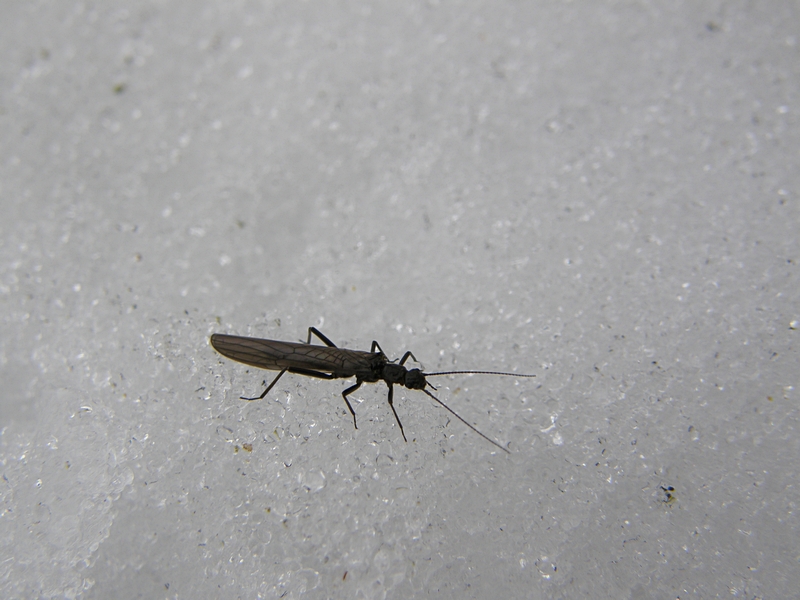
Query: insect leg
x=269 y=387
x=310 y=373
x=405 y=358
x=391 y=405
x=402 y=361
x=306 y=372
x=345 y=394
x=320 y=335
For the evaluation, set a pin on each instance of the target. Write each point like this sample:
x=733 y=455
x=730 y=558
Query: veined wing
x=276 y=355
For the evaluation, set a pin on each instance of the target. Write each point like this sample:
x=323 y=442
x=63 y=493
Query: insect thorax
x=412 y=379
x=394 y=374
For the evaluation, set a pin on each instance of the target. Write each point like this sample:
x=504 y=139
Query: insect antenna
x=477 y=373
x=457 y=416
x=454 y=413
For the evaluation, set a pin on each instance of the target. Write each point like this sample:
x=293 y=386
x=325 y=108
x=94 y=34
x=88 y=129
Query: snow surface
x=604 y=194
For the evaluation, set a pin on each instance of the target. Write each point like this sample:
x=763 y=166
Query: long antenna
x=457 y=416
x=477 y=373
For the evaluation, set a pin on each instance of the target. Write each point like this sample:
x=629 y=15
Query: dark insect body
x=330 y=362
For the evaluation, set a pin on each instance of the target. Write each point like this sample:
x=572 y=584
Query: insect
x=330 y=362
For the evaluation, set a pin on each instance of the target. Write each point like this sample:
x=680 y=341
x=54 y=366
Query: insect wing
x=276 y=355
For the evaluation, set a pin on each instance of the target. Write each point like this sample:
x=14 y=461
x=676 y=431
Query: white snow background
x=603 y=193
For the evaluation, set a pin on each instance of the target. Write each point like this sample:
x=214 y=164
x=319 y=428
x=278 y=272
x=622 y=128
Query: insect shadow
x=330 y=362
